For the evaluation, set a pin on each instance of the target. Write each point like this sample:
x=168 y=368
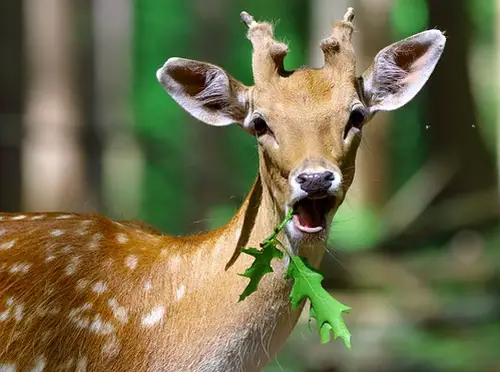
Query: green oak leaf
x=262 y=264
x=324 y=308
x=260 y=267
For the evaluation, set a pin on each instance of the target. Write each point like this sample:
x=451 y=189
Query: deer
x=87 y=293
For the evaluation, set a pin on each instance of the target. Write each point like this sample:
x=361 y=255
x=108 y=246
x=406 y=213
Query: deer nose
x=315 y=183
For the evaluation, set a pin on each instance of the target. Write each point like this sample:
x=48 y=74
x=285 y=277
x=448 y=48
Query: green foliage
x=324 y=308
x=306 y=285
x=260 y=267
x=345 y=231
x=409 y=17
x=263 y=258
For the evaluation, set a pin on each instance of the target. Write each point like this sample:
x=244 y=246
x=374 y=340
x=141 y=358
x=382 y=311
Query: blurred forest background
x=415 y=250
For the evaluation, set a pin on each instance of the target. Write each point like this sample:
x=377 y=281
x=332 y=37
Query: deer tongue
x=309 y=213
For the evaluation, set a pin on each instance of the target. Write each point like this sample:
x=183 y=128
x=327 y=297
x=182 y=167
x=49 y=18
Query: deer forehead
x=308 y=96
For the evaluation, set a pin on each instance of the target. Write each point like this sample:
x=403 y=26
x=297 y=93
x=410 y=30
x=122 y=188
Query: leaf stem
x=281 y=226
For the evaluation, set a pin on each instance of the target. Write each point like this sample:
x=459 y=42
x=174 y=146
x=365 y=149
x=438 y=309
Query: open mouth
x=310 y=213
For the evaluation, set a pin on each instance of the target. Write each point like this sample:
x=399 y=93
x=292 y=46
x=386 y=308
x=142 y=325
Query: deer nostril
x=301 y=178
x=329 y=176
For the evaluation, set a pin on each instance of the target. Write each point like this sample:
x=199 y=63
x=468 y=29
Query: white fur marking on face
x=64 y=217
x=19 y=217
x=56 y=232
x=7 y=245
x=38 y=217
x=131 y=261
x=217 y=250
x=72 y=266
x=119 y=312
x=180 y=292
x=101 y=327
x=7 y=367
x=153 y=317
x=20 y=267
x=122 y=238
x=81 y=364
x=175 y=262
x=40 y=364
x=100 y=287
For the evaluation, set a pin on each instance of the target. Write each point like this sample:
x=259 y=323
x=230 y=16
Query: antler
x=340 y=40
x=268 y=54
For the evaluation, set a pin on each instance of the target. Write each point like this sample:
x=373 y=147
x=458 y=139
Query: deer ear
x=400 y=70
x=205 y=91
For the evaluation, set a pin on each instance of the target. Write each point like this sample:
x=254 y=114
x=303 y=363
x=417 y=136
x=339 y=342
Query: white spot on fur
x=5 y=314
x=81 y=364
x=94 y=242
x=64 y=216
x=131 y=261
x=7 y=367
x=3 y=232
x=1 y=218
x=57 y=232
x=20 y=267
x=148 y=286
x=111 y=347
x=101 y=327
x=153 y=317
x=66 y=365
x=50 y=258
x=119 y=312
x=7 y=245
x=76 y=315
x=180 y=292
x=81 y=284
x=122 y=238
x=40 y=364
x=19 y=217
x=100 y=287
x=67 y=249
x=38 y=217
x=83 y=230
x=18 y=312
x=72 y=266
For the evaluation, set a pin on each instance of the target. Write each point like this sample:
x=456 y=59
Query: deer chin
x=311 y=214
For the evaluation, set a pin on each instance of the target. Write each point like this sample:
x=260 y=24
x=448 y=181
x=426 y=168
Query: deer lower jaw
x=310 y=214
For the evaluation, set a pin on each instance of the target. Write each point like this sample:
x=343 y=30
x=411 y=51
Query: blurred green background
x=84 y=126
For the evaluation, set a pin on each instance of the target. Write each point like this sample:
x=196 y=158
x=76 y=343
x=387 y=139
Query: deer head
x=307 y=122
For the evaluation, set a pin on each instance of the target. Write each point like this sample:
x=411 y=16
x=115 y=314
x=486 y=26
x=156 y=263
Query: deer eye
x=356 y=120
x=259 y=126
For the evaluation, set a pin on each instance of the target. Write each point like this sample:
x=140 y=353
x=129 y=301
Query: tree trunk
x=53 y=164
x=453 y=128
x=11 y=104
